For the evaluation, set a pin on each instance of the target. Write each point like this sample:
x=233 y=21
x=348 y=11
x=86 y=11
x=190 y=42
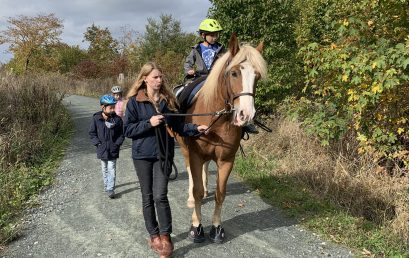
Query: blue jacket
x=107 y=140
x=139 y=110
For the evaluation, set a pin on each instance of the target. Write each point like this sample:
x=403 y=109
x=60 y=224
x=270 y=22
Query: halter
x=231 y=96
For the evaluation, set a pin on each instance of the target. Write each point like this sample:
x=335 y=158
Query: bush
x=34 y=125
x=356 y=66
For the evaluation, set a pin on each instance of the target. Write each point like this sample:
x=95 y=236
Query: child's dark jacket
x=107 y=140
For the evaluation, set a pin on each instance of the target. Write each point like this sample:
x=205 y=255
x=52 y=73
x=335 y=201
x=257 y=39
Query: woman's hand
x=191 y=72
x=203 y=129
x=156 y=120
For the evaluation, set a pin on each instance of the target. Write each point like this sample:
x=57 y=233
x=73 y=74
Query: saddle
x=185 y=93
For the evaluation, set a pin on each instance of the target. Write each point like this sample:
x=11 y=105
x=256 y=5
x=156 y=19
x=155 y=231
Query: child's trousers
x=108 y=174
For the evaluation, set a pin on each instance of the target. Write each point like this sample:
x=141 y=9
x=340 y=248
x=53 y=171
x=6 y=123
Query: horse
x=228 y=92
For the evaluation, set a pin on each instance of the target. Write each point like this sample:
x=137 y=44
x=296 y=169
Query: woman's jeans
x=154 y=188
x=108 y=174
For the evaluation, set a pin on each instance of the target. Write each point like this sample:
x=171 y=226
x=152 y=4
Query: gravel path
x=77 y=219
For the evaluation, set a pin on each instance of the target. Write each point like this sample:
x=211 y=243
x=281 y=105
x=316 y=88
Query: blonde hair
x=140 y=84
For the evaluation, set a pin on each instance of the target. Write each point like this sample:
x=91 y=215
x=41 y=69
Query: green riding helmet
x=210 y=25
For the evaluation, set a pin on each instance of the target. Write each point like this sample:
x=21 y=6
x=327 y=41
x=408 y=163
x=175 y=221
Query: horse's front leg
x=217 y=232
x=196 y=233
x=205 y=175
x=190 y=199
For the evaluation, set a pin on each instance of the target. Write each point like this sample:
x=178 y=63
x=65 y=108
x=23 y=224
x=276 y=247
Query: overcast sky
x=77 y=15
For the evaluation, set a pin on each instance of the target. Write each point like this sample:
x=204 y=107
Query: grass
x=338 y=198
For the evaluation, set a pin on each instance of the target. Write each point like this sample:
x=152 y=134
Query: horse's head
x=245 y=67
x=233 y=80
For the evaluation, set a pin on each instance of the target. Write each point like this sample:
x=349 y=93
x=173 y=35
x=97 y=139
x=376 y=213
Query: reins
x=225 y=111
x=163 y=144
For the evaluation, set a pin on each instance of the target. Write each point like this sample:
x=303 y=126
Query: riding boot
x=156 y=244
x=167 y=245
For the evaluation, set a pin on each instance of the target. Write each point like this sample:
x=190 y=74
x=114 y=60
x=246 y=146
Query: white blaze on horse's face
x=245 y=111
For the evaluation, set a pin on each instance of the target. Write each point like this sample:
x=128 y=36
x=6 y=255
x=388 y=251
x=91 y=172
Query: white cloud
x=77 y=15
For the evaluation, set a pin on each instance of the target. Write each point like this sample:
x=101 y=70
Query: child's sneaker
x=111 y=194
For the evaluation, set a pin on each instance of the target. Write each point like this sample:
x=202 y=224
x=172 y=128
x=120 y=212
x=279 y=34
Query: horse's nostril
x=241 y=114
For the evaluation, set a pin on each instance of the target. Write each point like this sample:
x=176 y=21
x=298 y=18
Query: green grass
x=318 y=214
x=21 y=182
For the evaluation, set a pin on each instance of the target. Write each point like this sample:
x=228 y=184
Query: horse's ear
x=260 y=47
x=233 y=45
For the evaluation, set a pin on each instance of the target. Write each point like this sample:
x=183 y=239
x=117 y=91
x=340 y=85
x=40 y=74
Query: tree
x=29 y=35
x=165 y=43
x=357 y=73
x=163 y=35
x=270 y=21
x=103 y=47
x=68 y=57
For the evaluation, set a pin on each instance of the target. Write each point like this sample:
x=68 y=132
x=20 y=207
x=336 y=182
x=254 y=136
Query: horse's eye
x=258 y=75
x=234 y=74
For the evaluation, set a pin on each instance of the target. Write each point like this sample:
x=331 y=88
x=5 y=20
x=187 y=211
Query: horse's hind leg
x=217 y=232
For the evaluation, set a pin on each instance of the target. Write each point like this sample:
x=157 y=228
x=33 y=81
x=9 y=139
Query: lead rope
x=163 y=149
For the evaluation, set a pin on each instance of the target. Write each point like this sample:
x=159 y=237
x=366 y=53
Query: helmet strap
x=204 y=38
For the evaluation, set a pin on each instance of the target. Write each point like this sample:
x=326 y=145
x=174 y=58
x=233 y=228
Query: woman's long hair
x=140 y=84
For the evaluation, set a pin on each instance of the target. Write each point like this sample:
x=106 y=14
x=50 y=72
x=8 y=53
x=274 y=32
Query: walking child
x=119 y=106
x=106 y=132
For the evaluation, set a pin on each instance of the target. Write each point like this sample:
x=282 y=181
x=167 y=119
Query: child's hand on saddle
x=203 y=129
x=156 y=120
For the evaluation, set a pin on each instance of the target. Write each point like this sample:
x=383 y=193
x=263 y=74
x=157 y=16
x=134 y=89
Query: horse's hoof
x=216 y=234
x=196 y=234
x=190 y=203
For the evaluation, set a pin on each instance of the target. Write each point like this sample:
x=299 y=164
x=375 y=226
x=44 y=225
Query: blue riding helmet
x=107 y=100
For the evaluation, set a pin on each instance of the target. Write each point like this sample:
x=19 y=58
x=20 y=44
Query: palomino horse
x=230 y=87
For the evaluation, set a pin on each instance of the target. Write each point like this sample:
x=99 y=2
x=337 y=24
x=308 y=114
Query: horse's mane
x=209 y=90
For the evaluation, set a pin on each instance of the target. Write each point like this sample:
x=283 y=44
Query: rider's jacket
x=195 y=58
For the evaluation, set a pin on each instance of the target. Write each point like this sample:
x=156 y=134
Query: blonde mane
x=247 y=53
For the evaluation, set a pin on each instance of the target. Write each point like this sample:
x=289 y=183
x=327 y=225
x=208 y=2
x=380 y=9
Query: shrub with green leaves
x=270 y=21
x=356 y=73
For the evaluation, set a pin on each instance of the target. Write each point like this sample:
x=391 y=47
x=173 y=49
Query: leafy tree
x=103 y=47
x=68 y=57
x=29 y=36
x=270 y=21
x=357 y=74
x=103 y=53
x=165 y=43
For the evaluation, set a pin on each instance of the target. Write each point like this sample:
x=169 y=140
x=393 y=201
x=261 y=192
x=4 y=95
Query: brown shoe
x=167 y=245
x=156 y=244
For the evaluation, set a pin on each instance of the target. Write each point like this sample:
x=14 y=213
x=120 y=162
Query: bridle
x=231 y=96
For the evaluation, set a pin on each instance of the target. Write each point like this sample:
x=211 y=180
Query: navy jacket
x=107 y=140
x=139 y=110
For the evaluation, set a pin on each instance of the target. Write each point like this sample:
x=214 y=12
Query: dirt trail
x=77 y=219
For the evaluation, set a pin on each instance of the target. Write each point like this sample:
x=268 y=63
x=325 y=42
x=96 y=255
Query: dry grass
x=34 y=130
x=355 y=183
